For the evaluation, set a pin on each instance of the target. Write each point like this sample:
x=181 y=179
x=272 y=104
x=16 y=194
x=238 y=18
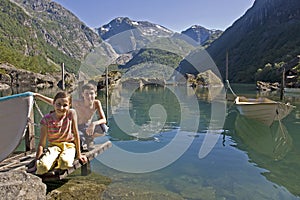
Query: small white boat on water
x=14 y=114
x=262 y=109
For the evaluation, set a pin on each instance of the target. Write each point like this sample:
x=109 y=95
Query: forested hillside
x=40 y=35
x=264 y=39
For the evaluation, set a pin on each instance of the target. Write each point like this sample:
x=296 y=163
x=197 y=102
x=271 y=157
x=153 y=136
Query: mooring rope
x=38 y=108
x=228 y=86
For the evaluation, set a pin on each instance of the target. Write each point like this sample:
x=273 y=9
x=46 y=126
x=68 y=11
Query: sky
x=176 y=15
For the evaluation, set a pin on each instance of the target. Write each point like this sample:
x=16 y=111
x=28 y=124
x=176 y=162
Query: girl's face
x=61 y=106
x=89 y=96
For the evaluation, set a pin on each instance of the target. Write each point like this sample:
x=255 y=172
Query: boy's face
x=89 y=95
x=61 y=106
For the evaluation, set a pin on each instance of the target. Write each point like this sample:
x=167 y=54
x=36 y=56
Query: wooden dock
x=22 y=161
x=26 y=159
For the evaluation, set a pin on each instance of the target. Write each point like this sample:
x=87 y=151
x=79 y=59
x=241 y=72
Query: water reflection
x=269 y=151
x=143 y=112
x=251 y=161
x=270 y=148
x=273 y=142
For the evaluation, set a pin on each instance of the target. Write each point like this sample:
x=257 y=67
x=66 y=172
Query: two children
x=60 y=127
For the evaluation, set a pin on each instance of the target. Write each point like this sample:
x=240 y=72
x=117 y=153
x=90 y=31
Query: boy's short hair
x=89 y=86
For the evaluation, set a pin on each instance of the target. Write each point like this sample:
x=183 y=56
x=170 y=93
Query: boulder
x=153 y=81
x=70 y=81
x=19 y=77
x=5 y=78
x=21 y=185
x=4 y=86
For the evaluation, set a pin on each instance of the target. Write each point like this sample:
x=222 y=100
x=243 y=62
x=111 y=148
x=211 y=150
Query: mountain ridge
x=135 y=35
x=266 y=33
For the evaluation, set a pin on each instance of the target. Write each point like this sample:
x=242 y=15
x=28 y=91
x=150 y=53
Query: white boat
x=14 y=115
x=262 y=109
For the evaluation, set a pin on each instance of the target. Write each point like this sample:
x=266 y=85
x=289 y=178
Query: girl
x=59 y=127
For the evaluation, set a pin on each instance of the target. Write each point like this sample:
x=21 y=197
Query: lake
x=157 y=134
x=183 y=143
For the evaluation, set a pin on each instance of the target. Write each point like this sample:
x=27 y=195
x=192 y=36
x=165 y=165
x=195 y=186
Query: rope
x=38 y=108
x=32 y=123
x=228 y=85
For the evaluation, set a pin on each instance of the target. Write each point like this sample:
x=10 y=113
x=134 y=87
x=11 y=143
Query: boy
x=86 y=108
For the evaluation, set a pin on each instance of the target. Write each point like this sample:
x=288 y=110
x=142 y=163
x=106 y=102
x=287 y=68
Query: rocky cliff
x=13 y=77
x=60 y=28
x=267 y=33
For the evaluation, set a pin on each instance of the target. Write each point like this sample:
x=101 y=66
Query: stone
x=22 y=78
x=4 y=86
x=19 y=185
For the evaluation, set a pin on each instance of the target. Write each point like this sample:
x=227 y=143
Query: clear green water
x=248 y=161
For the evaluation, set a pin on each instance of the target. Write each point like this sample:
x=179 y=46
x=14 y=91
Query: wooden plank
x=23 y=160
x=61 y=174
x=14 y=162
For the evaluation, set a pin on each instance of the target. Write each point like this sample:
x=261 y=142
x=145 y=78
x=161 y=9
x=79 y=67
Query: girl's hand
x=83 y=159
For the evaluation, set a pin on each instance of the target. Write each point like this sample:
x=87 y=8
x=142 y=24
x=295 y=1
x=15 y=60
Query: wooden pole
x=106 y=82
x=226 y=75
x=226 y=65
x=63 y=76
x=30 y=135
x=282 y=86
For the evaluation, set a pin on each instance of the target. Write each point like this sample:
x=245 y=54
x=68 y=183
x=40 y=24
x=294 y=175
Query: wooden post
x=226 y=75
x=226 y=66
x=86 y=169
x=63 y=76
x=30 y=135
x=106 y=82
x=80 y=84
x=282 y=86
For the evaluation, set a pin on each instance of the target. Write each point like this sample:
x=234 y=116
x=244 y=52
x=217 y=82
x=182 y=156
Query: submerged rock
x=135 y=191
x=78 y=187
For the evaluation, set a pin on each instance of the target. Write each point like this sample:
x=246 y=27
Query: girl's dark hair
x=62 y=95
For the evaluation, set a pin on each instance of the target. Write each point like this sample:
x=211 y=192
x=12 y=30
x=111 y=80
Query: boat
x=14 y=114
x=262 y=109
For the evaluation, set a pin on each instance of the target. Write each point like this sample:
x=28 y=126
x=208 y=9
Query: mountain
x=159 y=56
x=201 y=35
x=122 y=24
x=126 y=35
x=43 y=34
x=267 y=34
